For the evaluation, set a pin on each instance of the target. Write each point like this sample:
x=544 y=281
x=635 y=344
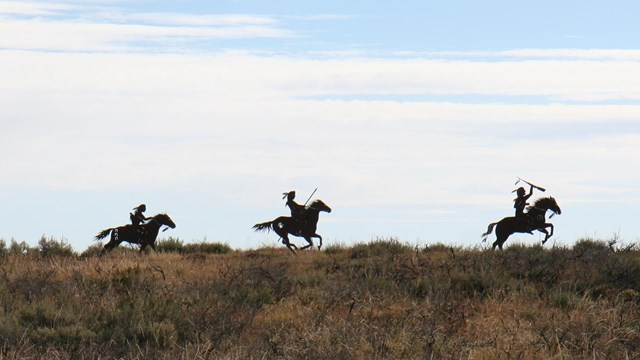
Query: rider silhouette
x=298 y=212
x=138 y=217
x=520 y=203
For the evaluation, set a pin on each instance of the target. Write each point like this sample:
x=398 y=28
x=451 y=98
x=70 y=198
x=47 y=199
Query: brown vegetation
x=381 y=300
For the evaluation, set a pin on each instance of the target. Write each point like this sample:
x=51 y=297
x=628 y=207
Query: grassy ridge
x=380 y=300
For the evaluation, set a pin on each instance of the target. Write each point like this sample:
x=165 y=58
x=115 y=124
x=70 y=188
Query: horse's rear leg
x=290 y=246
x=496 y=244
x=112 y=244
x=501 y=238
x=285 y=238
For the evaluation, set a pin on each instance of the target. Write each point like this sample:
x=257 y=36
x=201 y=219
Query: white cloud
x=104 y=121
x=246 y=76
x=28 y=8
x=200 y=20
x=83 y=37
x=90 y=28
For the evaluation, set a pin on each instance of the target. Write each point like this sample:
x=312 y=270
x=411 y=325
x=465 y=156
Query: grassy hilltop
x=381 y=300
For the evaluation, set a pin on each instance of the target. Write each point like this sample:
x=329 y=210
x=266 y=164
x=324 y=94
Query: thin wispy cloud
x=28 y=8
x=61 y=27
x=198 y=20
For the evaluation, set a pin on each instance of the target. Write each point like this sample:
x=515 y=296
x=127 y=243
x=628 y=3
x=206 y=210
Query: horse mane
x=544 y=202
x=314 y=203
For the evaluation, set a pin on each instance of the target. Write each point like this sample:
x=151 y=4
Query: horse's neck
x=153 y=225
x=535 y=211
x=313 y=214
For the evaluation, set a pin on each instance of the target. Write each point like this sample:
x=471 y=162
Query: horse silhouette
x=304 y=227
x=133 y=235
x=534 y=219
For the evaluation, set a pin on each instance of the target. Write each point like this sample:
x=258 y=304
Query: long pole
x=535 y=186
x=310 y=196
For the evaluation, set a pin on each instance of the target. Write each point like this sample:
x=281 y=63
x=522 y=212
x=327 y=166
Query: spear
x=314 y=191
x=534 y=186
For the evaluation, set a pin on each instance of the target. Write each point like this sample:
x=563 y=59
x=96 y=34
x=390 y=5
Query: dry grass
x=382 y=300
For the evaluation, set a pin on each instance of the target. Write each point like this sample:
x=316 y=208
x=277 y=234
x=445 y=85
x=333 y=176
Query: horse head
x=548 y=203
x=320 y=206
x=164 y=219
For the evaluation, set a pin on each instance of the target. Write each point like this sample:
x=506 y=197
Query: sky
x=413 y=119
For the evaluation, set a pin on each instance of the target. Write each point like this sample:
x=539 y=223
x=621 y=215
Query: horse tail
x=489 y=231
x=267 y=226
x=103 y=234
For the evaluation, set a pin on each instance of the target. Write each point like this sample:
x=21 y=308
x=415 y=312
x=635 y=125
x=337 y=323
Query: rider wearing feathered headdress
x=298 y=212
x=138 y=217
x=520 y=203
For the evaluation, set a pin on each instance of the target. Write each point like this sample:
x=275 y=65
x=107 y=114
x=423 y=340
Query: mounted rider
x=520 y=203
x=137 y=218
x=298 y=212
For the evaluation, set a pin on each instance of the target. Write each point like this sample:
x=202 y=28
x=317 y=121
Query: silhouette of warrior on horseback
x=303 y=222
x=142 y=230
x=525 y=222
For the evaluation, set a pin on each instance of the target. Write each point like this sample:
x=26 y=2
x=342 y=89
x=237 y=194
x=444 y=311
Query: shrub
x=380 y=246
x=71 y=336
x=52 y=247
x=3 y=248
x=170 y=245
x=589 y=248
x=334 y=249
x=178 y=246
x=208 y=248
x=93 y=250
x=19 y=248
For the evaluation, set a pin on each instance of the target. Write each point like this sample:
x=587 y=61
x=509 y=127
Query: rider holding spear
x=520 y=202
x=298 y=212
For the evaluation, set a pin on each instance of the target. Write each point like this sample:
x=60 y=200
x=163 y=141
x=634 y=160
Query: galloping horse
x=132 y=235
x=534 y=220
x=285 y=225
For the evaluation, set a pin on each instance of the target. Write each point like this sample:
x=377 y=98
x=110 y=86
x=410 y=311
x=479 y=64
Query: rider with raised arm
x=520 y=203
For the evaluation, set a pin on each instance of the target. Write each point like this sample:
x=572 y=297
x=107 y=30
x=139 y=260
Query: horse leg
x=112 y=244
x=309 y=241
x=290 y=246
x=144 y=245
x=320 y=238
x=544 y=230
x=501 y=237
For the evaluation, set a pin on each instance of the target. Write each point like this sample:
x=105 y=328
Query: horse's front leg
x=309 y=243
x=543 y=229
x=550 y=234
x=320 y=238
